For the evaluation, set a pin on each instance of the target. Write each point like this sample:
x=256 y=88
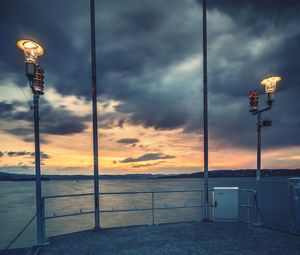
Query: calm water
x=17 y=204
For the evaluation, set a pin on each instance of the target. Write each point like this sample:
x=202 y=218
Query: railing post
x=213 y=205
x=153 y=208
x=248 y=206
x=43 y=221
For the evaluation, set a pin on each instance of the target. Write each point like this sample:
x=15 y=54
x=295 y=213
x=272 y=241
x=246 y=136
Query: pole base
x=206 y=220
x=96 y=229
x=43 y=243
x=259 y=220
x=258 y=224
x=40 y=245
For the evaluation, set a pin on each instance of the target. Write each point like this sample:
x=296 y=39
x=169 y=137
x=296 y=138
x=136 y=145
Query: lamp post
x=95 y=118
x=270 y=83
x=32 y=50
x=205 y=117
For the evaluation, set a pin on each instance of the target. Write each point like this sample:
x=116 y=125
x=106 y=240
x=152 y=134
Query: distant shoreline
x=212 y=174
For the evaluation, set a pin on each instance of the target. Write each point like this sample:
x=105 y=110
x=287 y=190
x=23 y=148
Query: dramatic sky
x=149 y=67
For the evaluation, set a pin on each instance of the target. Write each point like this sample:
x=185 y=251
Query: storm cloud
x=25 y=153
x=147 y=157
x=53 y=120
x=149 y=59
x=147 y=165
x=128 y=141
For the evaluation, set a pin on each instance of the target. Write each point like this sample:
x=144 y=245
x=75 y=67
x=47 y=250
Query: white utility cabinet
x=226 y=201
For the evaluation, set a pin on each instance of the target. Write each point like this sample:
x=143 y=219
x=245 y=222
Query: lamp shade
x=270 y=83
x=32 y=50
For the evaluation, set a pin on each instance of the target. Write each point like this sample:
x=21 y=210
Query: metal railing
x=152 y=208
x=250 y=201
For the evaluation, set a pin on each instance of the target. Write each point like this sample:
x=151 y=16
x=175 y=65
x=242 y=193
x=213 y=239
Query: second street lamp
x=32 y=50
x=270 y=83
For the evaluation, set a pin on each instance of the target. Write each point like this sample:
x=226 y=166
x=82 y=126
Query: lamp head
x=32 y=50
x=270 y=83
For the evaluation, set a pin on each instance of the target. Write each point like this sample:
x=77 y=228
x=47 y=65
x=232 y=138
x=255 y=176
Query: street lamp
x=270 y=83
x=32 y=50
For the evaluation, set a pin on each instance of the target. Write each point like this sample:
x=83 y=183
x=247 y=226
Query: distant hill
x=240 y=173
x=31 y=177
x=211 y=174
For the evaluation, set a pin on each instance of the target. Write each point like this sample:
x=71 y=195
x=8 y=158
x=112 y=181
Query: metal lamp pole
x=35 y=77
x=95 y=119
x=259 y=220
x=205 y=118
x=38 y=169
x=270 y=84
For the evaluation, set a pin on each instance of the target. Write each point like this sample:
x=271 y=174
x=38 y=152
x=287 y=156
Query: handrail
x=152 y=207
x=125 y=193
x=69 y=195
x=248 y=205
x=123 y=210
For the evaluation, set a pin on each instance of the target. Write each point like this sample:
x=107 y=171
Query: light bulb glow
x=270 y=83
x=32 y=50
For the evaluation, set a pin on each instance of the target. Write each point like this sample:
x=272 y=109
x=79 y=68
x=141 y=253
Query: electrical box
x=294 y=204
x=226 y=203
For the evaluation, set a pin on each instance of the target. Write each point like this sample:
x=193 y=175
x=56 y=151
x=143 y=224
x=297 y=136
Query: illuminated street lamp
x=32 y=50
x=270 y=83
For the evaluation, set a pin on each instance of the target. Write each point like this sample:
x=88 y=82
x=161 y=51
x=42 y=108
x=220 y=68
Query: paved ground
x=21 y=251
x=180 y=238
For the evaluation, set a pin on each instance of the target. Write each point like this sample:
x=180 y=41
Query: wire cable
x=268 y=226
x=28 y=101
x=21 y=232
x=29 y=104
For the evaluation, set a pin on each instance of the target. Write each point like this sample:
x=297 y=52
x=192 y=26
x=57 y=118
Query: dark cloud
x=55 y=121
x=147 y=157
x=109 y=120
x=1 y=154
x=128 y=141
x=147 y=165
x=25 y=153
x=257 y=12
x=5 y=109
x=145 y=52
x=121 y=123
x=30 y=139
x=19 y=131
x=18 y=153
x=44 y=155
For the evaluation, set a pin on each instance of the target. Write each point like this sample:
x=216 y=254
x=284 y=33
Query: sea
x=17 y=204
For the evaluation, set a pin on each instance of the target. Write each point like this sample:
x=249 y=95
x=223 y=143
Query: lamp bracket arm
x=265 y=109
